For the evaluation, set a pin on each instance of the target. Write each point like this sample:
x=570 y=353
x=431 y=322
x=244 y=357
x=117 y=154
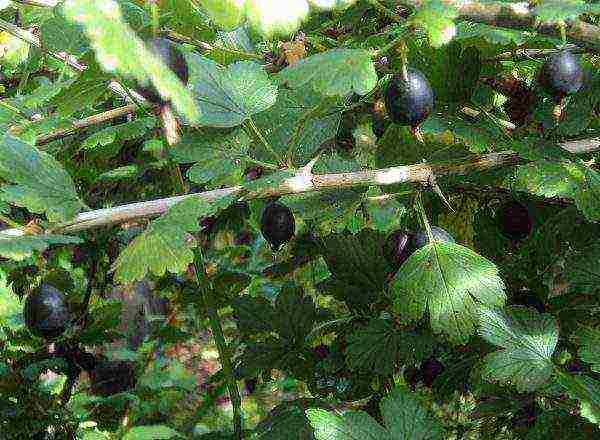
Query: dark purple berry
x=277 y=225
x=439 y=234
x=430 y=369
x=409 y=102
x=561 y=74
x=112 y=377
x=253 y=173
x=515 y=221
x=529 y=300
x=170 y=54
x=46 y=312
x=526 y=416
x=250 y=385
x=321 y=351
x=398 y=247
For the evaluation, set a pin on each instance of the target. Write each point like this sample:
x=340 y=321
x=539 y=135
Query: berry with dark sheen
x=398 y=247
x=515 y=221
x=430 y=369
x=409 y=102
x=46 y=312
x=112 y=377
x=439 y=234
x=277 y=225
x=170 y=54
x=561 y=74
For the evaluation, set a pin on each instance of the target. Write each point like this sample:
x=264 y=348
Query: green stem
x=392 y=44
x=9 y=222
x=250 y=123
x=385 y=10
x=14 y=109
x=421 y=209
x=155 y=16
x=215 y=324
x=563 y=32
x=267 y=165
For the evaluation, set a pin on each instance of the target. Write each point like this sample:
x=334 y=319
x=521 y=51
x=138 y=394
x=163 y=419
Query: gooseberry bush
x=299 y=219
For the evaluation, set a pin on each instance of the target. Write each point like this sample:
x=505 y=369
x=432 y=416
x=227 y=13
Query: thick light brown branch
x=301 y=183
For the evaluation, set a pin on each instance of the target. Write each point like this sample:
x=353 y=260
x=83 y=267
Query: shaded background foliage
x=347 y=331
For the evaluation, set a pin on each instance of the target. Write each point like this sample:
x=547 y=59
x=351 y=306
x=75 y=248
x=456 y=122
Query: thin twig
x=70 y=60
x=529 y=54
x=385 y=10
x=80 y=124
x=519 y=15
x=40 y=3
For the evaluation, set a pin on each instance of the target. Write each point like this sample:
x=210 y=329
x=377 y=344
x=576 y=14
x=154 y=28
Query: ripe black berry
x=170 y=54
x=409 y=102
x=430 y=369
x=321 y=351
x=439 y=234
x=46 y=312
x=398 y=247
x=277 y=225
x=561 y=74
x=112 y=377
x=515 y=221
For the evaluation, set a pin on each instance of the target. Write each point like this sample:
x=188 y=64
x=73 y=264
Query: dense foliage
x=299 y=219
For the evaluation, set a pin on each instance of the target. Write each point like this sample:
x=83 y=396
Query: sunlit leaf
x=528 y=341
x=451 y=282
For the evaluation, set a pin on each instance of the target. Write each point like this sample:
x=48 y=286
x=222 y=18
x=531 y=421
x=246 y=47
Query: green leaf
x=229 y=96
x=299 y=123
x=219 y=159
x=437 y=19
x=582 y=270
x=295 y=315
x=387 y=213
x=336 y=72
x=119 y=133
x=118 y=49
x=19 y=248
x=358 y=262
x=380 y=346
x=60 y=35
x=451 y=282
x=353 y=425
x=82 y=93
x=562 y=179
x=286 y=421
x=272 y=18
x=407 y=418
x=589 y=349
x=227 y=14
x=528 y=340
x=586 y=390
x=167 y=243
x=40 y=183
x=253 y=315
x=556 y=11
x=545 y=178
x=587 y=197
x=151 y=433
x=491 y=34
